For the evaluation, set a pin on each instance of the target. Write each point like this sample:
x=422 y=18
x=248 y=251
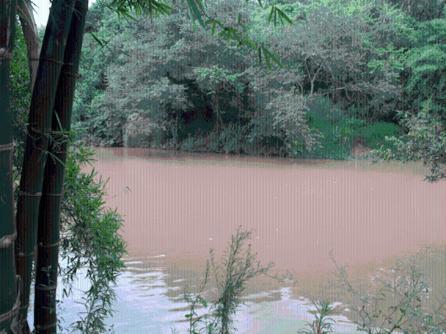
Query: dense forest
x=343 y=74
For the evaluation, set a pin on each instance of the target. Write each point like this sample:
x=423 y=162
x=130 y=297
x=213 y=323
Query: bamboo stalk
x=8 y=286
x=39 y=127
x=45 y=316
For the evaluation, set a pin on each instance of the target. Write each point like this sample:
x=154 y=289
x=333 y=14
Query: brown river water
x=177 y=206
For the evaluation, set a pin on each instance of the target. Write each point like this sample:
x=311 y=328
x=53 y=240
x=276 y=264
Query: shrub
x=396 y=301
x=231 y=274
x=322 y=323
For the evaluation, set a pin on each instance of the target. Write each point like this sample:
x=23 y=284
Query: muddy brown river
x=177 y=206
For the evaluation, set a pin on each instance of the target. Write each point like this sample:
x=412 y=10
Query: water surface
x=178 y=206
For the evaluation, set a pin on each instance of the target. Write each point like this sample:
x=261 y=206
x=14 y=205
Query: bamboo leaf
x=196 y=9
x=98 y=40
x=276 y=16
x=283 y=16
x=271 y=13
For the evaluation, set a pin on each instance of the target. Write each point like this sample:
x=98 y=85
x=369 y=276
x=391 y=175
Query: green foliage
x=423 y=114
x=421 y=9
x=396 y=301
x=192 y=89
x=424 y=139
x=336 y=44
x=290 y=123
x=322 y=323
x=231 y=274
x=215 y=78
x=427 y=81
x=371 y=60
x=20 y=93
x=90 y=242
x=338 y=132
x=374 y=135
x=193 y=317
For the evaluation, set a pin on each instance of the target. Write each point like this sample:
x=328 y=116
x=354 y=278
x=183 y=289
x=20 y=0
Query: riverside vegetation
x=337 y=85
x=351 y=73
x=289 y=78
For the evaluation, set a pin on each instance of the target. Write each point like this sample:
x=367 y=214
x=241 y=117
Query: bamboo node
x=24 y=193
x=54 y=194
x=75 y=75
x=23 y=254
x=7 y=240
x=6 y=147
x=42 y=245
x=50 y=60
x=46 y=287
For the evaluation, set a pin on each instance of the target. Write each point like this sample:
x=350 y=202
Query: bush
x=322 y=323
x=396 y=301
x=190 y=84
x=374 y=135
x=339 y=131
x=231 y=274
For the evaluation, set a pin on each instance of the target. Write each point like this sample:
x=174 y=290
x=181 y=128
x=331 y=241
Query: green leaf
x=98 y=40
x=197 y=10
x=276 y=15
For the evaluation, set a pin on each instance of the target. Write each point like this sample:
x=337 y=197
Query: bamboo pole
x=8 y=287
x=39 y=127
x=45 y=317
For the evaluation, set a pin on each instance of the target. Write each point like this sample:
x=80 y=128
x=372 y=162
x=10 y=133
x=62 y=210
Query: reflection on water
x=150 y=299
x=178 y=206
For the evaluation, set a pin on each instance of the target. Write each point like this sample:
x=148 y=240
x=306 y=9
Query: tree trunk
x=30 y=33
x=8 y=287
x=45 y=318
x=38 y=137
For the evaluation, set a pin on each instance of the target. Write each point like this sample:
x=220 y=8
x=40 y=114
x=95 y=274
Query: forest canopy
x=347 y=72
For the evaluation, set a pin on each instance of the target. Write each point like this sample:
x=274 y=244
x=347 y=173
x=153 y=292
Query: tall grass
x=230 y=275
x=323 y=323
